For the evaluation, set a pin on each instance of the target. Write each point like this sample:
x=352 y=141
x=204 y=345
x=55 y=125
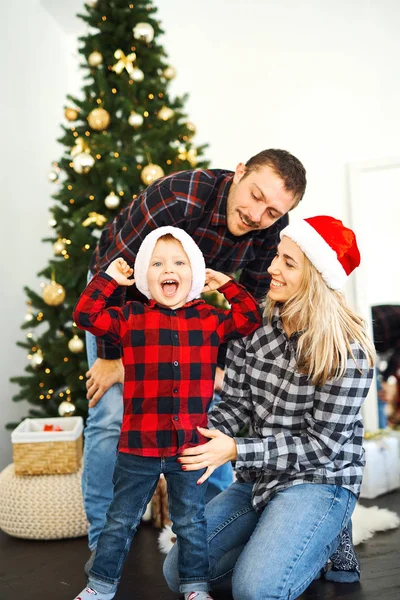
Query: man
x=235 y=218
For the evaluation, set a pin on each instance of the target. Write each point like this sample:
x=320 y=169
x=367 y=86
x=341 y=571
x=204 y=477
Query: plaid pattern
x=196 y=202
x=297 y=432
x=169 y=358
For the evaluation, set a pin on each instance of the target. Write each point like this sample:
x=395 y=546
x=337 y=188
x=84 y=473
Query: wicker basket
x=38 y=452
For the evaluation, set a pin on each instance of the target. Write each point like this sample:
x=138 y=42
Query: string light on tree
x=135 y=119
x=95 y=59
x=112 y=201
x=143 y=32
x=99 y=119
x=150 y=173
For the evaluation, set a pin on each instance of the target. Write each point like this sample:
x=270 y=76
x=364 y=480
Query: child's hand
x=120 y=271
x=214 y=280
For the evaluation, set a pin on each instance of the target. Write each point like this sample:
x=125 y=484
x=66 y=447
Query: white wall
x=35 y=68
x=316 y=78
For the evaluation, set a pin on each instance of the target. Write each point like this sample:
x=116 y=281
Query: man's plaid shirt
x=169 y=358
x=196 y=202
x=297 y=432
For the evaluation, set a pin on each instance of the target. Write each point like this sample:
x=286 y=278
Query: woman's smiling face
x=286 y=270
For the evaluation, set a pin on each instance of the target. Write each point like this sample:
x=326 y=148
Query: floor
x=53 y=570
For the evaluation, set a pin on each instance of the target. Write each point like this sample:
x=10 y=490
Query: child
x=170 y=348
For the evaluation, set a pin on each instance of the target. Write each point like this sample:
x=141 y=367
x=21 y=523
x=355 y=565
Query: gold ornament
x=71 y=114
x=135 y=119
x=99 y=119
x=165 y=113
x=82 y=163
x=137 y=75
x=143 y=32
x=150 y=173
x=53 y=176
x=191 y=127
x=80 y=146
x=192 y=157
x=95 y=59
x=54 y=294
x=124 y=62
x=66 y=409
x=58 y=247
x=37 y=359
x=169 y=72
x=75 y=344
x=95 y=218
x=112 y=201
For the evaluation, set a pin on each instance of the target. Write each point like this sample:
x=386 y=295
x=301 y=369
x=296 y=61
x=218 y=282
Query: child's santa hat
x=329 y=245
x=190 y=247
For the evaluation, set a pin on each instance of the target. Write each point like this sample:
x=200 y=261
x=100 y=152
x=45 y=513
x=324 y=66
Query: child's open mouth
x=169 y=287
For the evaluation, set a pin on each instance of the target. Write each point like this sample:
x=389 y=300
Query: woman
x=297 y=385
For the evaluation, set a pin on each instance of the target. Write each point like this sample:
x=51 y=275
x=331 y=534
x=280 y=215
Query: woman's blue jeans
x=135 y=479
x=274 y=555
x=101 y=439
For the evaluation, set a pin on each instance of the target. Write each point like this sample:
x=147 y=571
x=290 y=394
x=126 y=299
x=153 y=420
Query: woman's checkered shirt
x=297 y=432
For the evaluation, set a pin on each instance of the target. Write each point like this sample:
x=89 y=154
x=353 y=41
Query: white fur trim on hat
x=190 y=247
x=318 y=251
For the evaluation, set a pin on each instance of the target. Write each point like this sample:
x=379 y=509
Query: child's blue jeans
x=135 y=480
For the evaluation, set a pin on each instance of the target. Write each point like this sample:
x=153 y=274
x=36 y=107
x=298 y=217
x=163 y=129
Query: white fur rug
x=366 y=521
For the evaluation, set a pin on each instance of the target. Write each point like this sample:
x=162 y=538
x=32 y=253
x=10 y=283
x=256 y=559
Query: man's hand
x=120 y=271
x=219 y=379
x=220 y=449
x=102 y=375
x=214 y=280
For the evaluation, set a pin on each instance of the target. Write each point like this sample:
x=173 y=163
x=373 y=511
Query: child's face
x=169 y=275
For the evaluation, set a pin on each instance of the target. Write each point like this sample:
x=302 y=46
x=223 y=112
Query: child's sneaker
x=91 y=594
x=198 y=596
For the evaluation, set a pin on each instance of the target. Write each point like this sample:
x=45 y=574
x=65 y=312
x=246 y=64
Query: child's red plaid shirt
x=169 y=357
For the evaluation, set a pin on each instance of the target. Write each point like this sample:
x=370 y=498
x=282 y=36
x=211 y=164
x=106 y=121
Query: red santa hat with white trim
x=328 y=244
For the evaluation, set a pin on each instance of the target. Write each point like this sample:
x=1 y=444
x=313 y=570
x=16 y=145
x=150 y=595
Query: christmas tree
x=126 y=132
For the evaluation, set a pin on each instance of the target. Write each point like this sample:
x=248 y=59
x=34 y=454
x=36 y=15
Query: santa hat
x=329 y=245
x=190 y=247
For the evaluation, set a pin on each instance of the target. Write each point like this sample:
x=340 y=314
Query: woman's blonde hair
x=327 y=326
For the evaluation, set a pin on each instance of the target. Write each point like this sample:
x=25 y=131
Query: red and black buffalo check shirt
x=196 y=202
x=169 y=358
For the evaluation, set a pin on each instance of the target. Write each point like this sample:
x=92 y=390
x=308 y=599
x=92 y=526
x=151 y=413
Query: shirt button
x=175 y=390
x=176 y=363
x=175 y=418
x=174 y=312
x=175 y=335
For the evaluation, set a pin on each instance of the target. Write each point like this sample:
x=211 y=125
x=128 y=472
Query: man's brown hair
x=286 y=166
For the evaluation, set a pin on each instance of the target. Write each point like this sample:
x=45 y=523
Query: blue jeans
x=101 y=439
x=135 y=480
x=274 y=555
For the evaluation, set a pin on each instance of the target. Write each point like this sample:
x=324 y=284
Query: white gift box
x=382 y=469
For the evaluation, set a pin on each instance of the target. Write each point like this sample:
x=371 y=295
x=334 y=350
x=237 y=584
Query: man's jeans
x=135 y=479
x=275 y=554
x=101 y=439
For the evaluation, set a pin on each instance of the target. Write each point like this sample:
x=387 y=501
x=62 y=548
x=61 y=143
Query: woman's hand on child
x=120 y=271
x=219 y=450
x=214 y=280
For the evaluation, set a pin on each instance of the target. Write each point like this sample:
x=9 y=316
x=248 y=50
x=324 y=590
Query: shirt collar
x=219 y=215
x=153 y=304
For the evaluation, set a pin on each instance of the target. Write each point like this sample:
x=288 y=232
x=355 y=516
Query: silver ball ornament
x=143 y=32
x=169 y=72
x=58 y=247
x=83 y=162
x=137 y=75
x=135 y=119
x=36 y=360
x=95 y=59
x=53 y=176
x=112 y=201
x=66 y=409
x=75 y=344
